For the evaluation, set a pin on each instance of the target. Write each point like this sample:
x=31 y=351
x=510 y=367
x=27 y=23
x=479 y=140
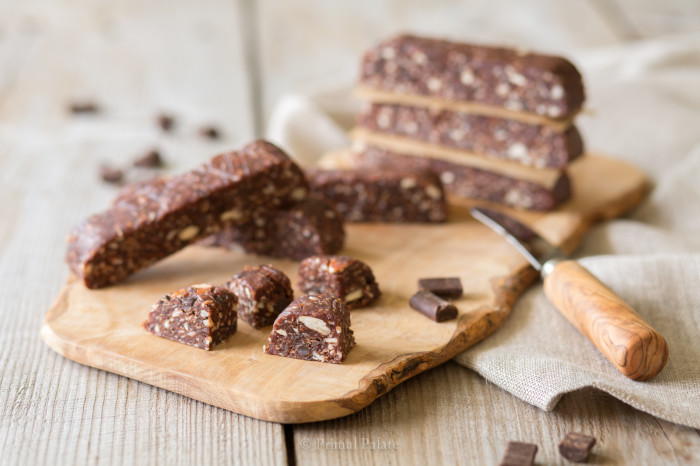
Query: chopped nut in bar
x=263 y=292
x=396 y=195
x=314 y=328
x=200 y=315
x=343 y=277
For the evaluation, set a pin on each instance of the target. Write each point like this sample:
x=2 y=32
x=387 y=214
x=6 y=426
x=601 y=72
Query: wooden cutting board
x=102 y=328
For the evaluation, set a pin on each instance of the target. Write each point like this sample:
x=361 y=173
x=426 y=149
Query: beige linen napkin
x=645 y=108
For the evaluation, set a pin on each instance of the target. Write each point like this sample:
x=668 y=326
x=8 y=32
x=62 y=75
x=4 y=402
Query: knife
x=625 y=339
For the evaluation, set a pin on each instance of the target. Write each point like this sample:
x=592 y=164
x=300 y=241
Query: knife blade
x=620 y=334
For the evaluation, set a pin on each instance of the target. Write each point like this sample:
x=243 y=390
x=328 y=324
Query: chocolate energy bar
x=529 y=144
x=485 y=78
x=263 y=292
x=162 y=217
x=396 y=195
x=466 y=181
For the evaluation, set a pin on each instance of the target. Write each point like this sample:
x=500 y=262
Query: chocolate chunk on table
x=111 y=174
x=150 y=222
x=343 y=277
x=474 y=183
x=576 y=447
x=396 y=195
x=433 y=306
x=307 y=228
x=500 y=138
x=444 y=287
x=199 y=315
x=150 y=159
x=519 y=454
x=314 y=328
x=263 y=292
x=512 y=79
x=166 y=122
x=84 y=108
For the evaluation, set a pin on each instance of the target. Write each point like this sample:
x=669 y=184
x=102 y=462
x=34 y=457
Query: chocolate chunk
x=396 y=195
x=150 y=159
x=209 y=132
x=431 y=305
x=448 y=288
x=199 y=315
x=263 y=292
x=576 y=447
x=78 y=108
x=314 y=328
x=343 y=277
x=519 y=454
x=165 y=122
x=161 y=217
x=308 y=228
x=111 y=174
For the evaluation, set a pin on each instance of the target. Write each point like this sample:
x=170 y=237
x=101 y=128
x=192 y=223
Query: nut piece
x=188 y=233
x=315 y=324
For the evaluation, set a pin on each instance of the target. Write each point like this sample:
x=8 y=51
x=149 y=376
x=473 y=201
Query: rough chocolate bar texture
x=343 y=277
x=544 y=85
x=396 y=195
x=433 y=306
x=159 y=218
x=500 y=138
x=445 y=287
x=314 y=328
x=307 y=228
x=576 y=447
x=519 y=454
x=263 y=292
x=199 y=315
x=474 y=183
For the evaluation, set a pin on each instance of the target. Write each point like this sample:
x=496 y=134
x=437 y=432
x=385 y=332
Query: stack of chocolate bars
x=495 y=124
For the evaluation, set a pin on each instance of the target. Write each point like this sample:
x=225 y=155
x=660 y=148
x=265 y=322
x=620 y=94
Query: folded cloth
x=645 y=108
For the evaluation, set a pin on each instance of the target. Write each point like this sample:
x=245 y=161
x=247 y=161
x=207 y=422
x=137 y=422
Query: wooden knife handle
x=624 y=338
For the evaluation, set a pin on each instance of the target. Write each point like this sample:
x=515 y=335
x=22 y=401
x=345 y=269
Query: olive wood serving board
x=102 y=328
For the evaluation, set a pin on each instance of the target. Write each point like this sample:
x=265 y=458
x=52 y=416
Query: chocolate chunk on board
x=263 y=292
x=544 y=85
x=432 y=306
x=444 y=287
x=519 y=454
x=159 y=218
x=474 y=183
x=314 y=328
x=343 y=277
x=199 y=315
x=396 y=195
x=576 y=447
x=307 y=228
x=499 y=138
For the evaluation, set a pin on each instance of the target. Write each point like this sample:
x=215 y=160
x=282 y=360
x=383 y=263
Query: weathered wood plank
x=135 y=59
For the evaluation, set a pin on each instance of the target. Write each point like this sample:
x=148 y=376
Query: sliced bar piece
x=396 y=195
x=199 y=315
x=263 y=292
x=445 y=287
x=432 y=306
x=310 y=227
x=343 y=277
x=314 y=328
x=465 y=181
x=148 y=223
x=528 y=144
x=486 y=78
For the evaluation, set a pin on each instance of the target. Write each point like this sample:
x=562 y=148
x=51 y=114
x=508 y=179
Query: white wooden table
x=226 y=62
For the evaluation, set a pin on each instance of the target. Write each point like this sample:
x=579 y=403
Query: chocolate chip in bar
x=576 y=447
x=263 y=292
x=199 y=315
x=83 y=108
x=166 y=122
x=519 y=454
x=344 y=277
x=210 y=132
x=432 y=306
x=111 y=174
x=150 y=159
x=447 y=288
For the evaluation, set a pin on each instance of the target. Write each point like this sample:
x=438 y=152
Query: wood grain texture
x=625 y=339
x=450 y=415
x=102 y=328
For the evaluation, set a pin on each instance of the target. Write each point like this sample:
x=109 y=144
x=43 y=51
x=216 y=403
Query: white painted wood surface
x=226 y=62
